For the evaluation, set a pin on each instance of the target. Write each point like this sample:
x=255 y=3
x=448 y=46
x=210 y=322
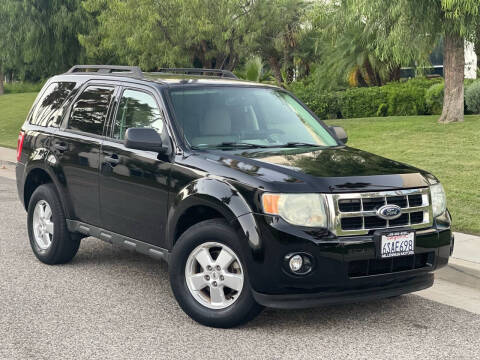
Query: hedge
x=434 y=98
x=472 y=97
x=396 y=98
x=22 y=87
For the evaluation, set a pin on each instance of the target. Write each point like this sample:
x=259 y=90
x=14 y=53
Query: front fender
x=220 y=196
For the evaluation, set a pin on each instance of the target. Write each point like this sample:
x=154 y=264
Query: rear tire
x=212 y=302
x=50 y=239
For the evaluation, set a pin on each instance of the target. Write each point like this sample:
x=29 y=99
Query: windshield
x=250 y=117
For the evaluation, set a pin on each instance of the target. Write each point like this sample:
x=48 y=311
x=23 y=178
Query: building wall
x=470 y=61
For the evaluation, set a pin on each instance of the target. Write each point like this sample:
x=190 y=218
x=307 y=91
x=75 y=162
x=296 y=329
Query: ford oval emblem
x=389 y=212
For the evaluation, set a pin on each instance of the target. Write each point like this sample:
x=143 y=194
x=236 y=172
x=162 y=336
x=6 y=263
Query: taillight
x=21 y=136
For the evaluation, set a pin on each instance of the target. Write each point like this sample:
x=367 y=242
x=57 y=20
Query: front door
x=134 y=183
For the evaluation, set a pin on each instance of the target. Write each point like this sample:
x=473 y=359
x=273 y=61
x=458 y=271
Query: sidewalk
x=8 y=156
x=464 y=265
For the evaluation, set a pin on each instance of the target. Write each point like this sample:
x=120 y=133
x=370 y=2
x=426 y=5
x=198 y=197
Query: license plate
x=398 y=244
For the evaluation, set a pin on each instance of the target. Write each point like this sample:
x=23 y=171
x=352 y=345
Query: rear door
x=77 y=145
x=134 y=183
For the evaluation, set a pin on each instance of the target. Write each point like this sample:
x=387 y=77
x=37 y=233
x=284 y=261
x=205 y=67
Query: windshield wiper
x=239 y=144
x=294 y=144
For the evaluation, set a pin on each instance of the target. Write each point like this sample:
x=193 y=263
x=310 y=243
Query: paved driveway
x=111 y=303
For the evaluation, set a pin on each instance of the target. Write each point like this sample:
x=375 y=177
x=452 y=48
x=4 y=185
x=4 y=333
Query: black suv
x=249 y=197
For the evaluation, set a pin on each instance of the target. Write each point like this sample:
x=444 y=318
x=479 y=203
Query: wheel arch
x=209 y=198
x=37 y=175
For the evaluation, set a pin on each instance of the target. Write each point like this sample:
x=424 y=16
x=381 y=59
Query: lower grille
x=359 y=268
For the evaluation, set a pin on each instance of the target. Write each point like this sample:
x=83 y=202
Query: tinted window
x=49 y=110
x=137 y=109
x=90 y=110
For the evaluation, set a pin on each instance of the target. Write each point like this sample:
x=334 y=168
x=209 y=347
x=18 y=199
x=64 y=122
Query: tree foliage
x=39 y=38
x=156 y=34
x=408 y=30
x=201 y=33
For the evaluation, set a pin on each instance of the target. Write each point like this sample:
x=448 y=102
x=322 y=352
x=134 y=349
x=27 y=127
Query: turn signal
x=270 y=203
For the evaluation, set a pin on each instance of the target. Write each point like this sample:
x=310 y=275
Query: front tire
x=209 y=278
x=50 y=239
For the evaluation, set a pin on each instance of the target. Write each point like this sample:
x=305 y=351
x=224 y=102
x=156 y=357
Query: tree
x=156 y=34
x=408 y=30
x=349 y=56
x=254 y=70
x=9 y=28
x=39 y=38
x=275 y=30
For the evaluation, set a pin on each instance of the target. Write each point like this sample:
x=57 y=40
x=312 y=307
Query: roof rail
x=105 y=69
x=199 y=71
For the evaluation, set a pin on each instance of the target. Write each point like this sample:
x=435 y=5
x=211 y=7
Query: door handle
x=60 y=146
x=112 y=159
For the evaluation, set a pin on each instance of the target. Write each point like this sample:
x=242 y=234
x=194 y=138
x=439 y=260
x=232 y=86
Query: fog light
x=296 y=263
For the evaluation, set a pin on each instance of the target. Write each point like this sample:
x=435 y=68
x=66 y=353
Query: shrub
x=434 y=98
x=396 y=98
x=407 y=98
x=382 y=110
x=22 y=87
x=323 y=104
x=361 y=102
x=472 y=97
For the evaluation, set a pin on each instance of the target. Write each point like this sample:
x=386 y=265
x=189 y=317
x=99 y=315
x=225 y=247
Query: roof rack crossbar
x=108 y=69
x=199 y=71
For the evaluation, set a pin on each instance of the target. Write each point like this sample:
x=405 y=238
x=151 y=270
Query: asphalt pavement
x=110 y=303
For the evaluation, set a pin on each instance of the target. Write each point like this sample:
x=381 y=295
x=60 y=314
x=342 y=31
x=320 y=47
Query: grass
x=450 y=152
x=13 y=111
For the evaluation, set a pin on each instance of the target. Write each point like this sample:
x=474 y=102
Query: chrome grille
x=356 y=213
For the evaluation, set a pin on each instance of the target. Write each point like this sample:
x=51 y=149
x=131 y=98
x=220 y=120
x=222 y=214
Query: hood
x=337 y=169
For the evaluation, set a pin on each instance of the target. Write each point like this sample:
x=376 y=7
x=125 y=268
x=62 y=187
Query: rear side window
x=49 y=109
x=90 y=110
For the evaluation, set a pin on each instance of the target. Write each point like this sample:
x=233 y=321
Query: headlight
x=297 y=209
x=439 y=200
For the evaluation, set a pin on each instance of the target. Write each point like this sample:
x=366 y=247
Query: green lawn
x=13 y=111
x=451 y=152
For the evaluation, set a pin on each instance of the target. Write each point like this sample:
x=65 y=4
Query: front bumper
x=345 y=269
x=379 y=291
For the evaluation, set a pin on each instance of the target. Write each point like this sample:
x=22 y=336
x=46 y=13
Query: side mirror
x=340 y=133
x=144 y=139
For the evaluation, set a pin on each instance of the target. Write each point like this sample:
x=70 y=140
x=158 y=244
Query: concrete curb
x=6 y=162
x=461 y=272
x=8 y=156
x=464 y=265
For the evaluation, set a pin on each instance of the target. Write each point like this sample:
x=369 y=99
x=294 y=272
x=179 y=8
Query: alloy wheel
x=214 y=275
x=43 y=225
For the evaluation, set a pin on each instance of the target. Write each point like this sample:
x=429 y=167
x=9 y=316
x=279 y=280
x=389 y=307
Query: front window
x=252 y=117
x=137 y=109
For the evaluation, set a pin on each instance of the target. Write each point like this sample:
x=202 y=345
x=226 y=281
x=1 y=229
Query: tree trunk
x=453 y=72
x=394 y=74
x=371 y=76
x=275 y=66
x=288 y=46
x=2 y=90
